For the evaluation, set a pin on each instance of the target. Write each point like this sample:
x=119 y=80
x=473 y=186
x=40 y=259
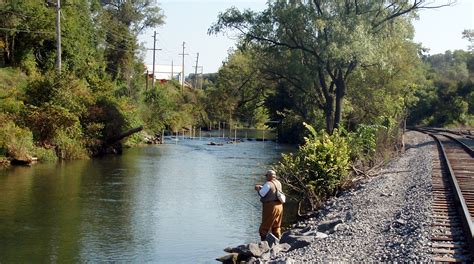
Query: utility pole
x=58 y=35
x=154 y=50
x=172 y=70
x=146 y=79
x=202 y=77
x=153 y=74
x=182 y=68
x=196 y=71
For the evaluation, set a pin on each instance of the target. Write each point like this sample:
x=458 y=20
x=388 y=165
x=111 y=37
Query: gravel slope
x=386 y=218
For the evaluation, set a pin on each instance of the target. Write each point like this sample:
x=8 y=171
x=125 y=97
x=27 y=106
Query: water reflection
x=175 y=203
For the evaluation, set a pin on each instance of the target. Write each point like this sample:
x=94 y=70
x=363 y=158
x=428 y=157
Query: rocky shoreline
x=384 y=218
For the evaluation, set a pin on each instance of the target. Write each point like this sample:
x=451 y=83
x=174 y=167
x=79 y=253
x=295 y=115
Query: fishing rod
x=252 y=204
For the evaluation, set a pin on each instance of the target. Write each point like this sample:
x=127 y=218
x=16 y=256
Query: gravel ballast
x=385 y=218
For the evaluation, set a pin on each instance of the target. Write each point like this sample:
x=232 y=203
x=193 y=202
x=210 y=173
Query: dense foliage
x=318 y=168
x=448 y=97
x=101 y=91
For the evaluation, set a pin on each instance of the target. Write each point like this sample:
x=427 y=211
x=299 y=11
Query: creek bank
x=383 y=218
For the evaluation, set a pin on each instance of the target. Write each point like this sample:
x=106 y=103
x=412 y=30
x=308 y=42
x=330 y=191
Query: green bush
x=45 y=154
x=16 y=142
x=48 y=120
x=363 y=142
x=319 y=167
x=69 y=148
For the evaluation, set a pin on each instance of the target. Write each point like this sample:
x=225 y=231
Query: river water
x=172 y=203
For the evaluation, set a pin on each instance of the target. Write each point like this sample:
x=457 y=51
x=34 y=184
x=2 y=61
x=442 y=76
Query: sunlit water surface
x=172 y=203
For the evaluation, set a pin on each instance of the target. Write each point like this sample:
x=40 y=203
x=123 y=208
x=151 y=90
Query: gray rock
x=300 y=242
x=279 y=248
x=348 y=217
x=306 y=229
x=341 y=227
x=288 y=237
x=328 y=226
x=258 y=249
x=265 y=257
x=320 y=235
x=253 y=260
x=271 y=240
x=230 y=258
x=285 y=237
x=285 y=261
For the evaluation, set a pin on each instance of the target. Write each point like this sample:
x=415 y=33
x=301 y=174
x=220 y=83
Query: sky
x=189 y=20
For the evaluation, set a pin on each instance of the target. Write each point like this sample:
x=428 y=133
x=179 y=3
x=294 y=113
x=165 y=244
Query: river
x=170 y=203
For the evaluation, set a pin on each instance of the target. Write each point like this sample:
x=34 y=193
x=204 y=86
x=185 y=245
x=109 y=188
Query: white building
x=164 y=72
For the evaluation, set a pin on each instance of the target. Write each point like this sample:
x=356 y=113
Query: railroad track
x=453 y=200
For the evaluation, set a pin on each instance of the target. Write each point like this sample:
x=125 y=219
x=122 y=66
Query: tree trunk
x=124 y=135
x=329 y=114
x=340 y=92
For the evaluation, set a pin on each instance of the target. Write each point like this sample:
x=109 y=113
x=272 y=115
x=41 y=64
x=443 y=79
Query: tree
x=27 y=28
x=239 y=91
x=122 y=21
x=331 y=39
x=447 y=98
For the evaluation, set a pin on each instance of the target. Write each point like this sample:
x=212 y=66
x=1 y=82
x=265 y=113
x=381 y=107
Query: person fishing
x=272 y=211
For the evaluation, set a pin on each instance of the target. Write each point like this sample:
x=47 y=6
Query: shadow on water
x=173 y=203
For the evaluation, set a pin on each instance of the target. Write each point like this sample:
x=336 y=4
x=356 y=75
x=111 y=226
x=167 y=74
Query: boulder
x=300 y=242
x=242 y=250
x=229 y=259
x=279 y=248
x=295 y=241
x=258 y=249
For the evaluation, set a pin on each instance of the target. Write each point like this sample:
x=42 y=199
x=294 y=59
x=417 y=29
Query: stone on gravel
x=279 y=248
x=328 y=226
x=272 y=240
x=258 y=249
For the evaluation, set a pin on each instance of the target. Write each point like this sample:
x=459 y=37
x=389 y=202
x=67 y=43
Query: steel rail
x=463 y=210
x=464 y=146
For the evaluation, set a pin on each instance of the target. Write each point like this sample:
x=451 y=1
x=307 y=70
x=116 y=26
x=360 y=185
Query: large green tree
x=448 y=97
x=329 y=39
x=122 y=22
x=239 y=92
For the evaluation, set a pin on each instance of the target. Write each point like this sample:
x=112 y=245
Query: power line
x=27 y=31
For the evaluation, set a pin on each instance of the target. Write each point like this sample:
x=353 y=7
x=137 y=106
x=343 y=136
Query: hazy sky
x=188 y=21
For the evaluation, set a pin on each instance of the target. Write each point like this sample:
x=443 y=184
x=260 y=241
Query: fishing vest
x=271 y=194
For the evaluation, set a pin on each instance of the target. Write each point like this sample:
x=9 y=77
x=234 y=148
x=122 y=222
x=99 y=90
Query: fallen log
x=113 y=144
x=124 y=135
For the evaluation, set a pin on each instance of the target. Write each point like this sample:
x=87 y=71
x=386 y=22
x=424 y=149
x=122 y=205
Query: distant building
x=164 y=72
